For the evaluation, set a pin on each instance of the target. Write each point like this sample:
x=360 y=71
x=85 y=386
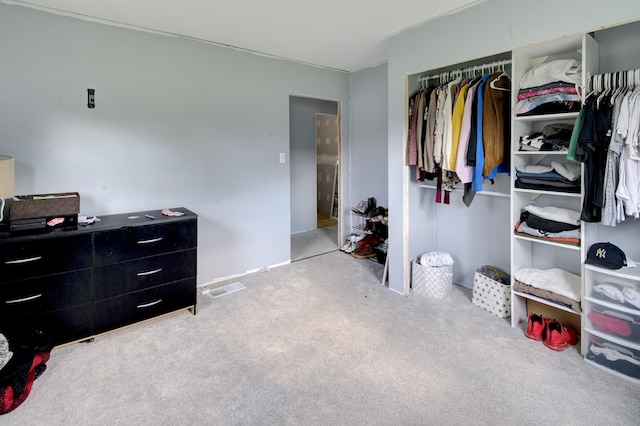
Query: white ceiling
x=342 y=34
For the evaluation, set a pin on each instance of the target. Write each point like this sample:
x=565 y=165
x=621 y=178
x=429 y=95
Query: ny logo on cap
x=601 y=253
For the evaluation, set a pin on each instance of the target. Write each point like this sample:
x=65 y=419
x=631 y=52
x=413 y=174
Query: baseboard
x=251 y=271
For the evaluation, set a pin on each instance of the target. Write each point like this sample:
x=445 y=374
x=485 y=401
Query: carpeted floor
x=321 y=342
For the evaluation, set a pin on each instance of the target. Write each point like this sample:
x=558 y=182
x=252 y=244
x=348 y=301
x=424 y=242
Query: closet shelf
x=543 y=153
x=547 y=242
x=545 y=301
x=490 y=193
x=548 y=117
x=540 y=192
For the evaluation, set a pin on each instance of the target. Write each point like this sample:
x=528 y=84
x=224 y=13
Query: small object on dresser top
x=84 y=220
x=167 y=212
x=148 y=216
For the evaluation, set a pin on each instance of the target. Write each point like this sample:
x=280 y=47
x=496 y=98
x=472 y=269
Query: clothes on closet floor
x=550 y=88
x=608 y=146
x=550 y=223
x=459 y=132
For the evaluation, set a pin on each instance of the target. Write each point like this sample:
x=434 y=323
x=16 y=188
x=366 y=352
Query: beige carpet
x=321 y=342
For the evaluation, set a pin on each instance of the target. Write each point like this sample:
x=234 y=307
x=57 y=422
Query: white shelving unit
x=531 y=252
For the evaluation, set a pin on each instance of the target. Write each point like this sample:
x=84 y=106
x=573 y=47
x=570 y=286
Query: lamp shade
x=7 y=177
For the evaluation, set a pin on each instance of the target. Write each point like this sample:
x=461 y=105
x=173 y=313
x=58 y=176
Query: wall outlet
x=282 y=157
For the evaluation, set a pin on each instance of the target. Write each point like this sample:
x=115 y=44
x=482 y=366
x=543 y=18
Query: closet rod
x=461 y=71
x=613 y=80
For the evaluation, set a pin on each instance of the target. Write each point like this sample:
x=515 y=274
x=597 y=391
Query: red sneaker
x=536 y=326
x=559 y=336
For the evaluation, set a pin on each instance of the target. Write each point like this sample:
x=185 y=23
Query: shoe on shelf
x=536 y=326
x=361 y=207
x=369 y=226
x=382 y=230
x=371 y=240
x=364 y=251
x=376 y=212
x=346 y=244
x=352 y=246
x=559 y=336
x=371 y=205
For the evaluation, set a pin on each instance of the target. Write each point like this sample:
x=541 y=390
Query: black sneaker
x=371 y=204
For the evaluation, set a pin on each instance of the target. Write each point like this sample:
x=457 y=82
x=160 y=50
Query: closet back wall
x=177 y=123
x=484 y=29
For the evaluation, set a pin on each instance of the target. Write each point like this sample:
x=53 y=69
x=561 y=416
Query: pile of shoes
x=554 y=335
x=364 y=245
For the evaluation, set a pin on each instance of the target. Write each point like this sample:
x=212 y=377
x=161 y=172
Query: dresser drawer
x=63 y=326
x=33 y=258
x=623 y=326
x=125 y=277
x=141 y=241
x=614 y=356
x=45 y=294
x=616 y=291
x=133 y=307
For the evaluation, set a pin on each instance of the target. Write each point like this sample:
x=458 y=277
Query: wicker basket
x=436 y=282
x=45 y=205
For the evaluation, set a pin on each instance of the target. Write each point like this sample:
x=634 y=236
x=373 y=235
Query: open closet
x=486 y=226
x=465 y=215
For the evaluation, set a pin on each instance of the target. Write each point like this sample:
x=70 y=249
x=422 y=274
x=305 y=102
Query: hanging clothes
x=496 y=126
x=447 y=127
x=608 y=146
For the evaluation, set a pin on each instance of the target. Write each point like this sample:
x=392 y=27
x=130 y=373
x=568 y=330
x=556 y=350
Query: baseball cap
x=606 y=255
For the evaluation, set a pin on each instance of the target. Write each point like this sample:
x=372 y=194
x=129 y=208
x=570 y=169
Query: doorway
x=314 y=146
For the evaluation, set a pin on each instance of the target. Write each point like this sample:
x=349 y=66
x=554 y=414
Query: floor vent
x=224 y=290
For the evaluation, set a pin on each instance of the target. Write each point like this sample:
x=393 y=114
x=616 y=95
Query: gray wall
x=490 y=27
x=368 y=135
x=177 y=123
x=302 y=134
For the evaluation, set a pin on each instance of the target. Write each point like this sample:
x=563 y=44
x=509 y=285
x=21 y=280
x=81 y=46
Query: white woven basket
x=436 y=282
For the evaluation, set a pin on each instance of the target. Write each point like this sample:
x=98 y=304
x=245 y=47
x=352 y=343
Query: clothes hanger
x=495 y=80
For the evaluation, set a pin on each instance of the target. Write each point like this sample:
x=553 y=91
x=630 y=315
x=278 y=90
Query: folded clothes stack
x=561 y=177
x=550 y=88
x=550 y=223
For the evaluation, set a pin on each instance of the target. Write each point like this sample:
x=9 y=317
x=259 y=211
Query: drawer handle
x=27 y=260
x=24 y=299
x=154 y=240
x=146 y=305
x=155 y=271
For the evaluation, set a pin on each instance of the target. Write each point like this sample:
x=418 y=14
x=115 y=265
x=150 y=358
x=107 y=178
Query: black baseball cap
x=606 y=255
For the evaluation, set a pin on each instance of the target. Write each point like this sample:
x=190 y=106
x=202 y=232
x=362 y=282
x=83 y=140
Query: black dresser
x=77 y=284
